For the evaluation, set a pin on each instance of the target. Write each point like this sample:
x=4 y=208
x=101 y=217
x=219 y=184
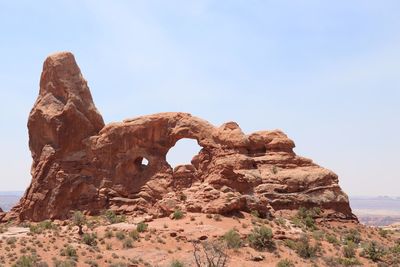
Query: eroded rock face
x=81 y=164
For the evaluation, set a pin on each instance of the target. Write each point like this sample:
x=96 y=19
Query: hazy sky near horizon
x=325 y=72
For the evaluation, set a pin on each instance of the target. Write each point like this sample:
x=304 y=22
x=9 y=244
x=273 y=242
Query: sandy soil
x=166 y=240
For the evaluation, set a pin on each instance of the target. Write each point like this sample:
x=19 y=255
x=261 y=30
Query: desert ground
x=242 y=240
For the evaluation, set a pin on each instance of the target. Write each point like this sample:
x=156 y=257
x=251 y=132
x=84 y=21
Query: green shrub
x=108 y=234
x=383 y=233
x=255 y=213
x=304 y=212
x=373 y=251
x=304 y=249
x=349 y=250
x=305 y=217
x=70 y=252
x=119 y=264
x=285 y=263
x=79 y=220
x=26 y=261
x=120 y=235
x=280 y=221
x=177 y=215
x=142 y=227
x=396 y=249
x=232 y=239
x=332 y=239
x=47 y=225
x=353 y=235
x=11 y=240
x=128 y=243
x=134 y=234
x=217 y=217
x=318 y=235
x=40 y=227
x=176 y=263
x=290 y=244
x=90 y=239
x=260 y=238
x=348 y=262
x=274 y=170
x=309 y=222
x=92 y=263
x=67 y=263
x=114 y=218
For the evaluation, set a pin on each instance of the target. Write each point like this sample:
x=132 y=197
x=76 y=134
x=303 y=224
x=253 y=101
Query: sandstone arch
x=80 y=163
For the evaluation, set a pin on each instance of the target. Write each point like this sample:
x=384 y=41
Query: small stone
x=258 y=258
x=203 y=237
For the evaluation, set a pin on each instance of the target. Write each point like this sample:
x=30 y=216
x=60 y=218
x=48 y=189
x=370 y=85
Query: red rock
x=80 y=164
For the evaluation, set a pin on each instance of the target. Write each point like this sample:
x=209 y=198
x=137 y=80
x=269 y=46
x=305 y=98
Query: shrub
x=285 y=263
x=261 y=238
x=11 y=240
x=79 y=220
x=177 y=215
x=353 y=235
x=108 y=234
x=373 y=251
x=69 y=252
x=120 y=235
x=318 y=235
x=309 y=222
x=349 y=250
x=90 y=239
x=26 y=261
x=67 y=263
x=212 y=254
x=232 y=239
x=134 y=234
x=217 y=217
x=40 y=227
x=142 y=227
x=119 y=264
x=305 y=217
x=47 y=225
x=348 y=262
x=176 y=263
x=383 y=233
x=274 y=170
x=304 y=249
x=255 y=213
x=396 y=249
x=332 y=239
x=114 y=218
x=128 y=243
x=280 y=221
x=91 y=263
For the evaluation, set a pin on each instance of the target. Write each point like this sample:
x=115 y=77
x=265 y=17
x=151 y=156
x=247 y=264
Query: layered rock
x=80 y=164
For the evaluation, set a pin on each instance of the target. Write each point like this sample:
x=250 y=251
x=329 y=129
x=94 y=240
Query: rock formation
x=81 y=164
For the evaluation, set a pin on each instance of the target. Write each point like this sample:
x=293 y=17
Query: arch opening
x=183 y=152
x=141 y=163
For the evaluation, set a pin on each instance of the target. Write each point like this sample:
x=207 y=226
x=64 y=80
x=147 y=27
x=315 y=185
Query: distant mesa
x=79 y=163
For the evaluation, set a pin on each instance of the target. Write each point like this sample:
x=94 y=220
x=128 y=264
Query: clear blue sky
x=325 y=72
